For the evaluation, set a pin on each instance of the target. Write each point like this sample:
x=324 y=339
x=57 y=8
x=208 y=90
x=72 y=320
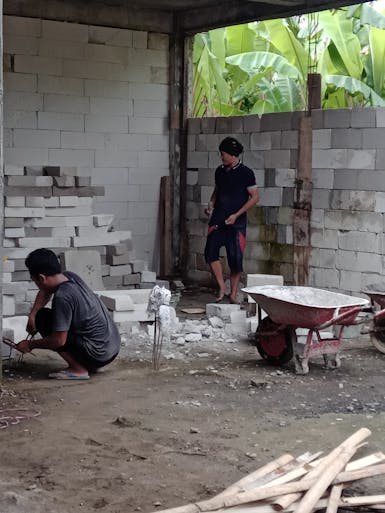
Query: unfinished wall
x=348 y=198
x=95 y=98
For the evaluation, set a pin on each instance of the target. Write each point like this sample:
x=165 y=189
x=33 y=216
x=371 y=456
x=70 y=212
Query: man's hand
x=24 y=346
x=231 y=219
x=31 y=326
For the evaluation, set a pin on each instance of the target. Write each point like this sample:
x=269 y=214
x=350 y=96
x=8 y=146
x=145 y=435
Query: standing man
x=78 y=327
x=234 y=194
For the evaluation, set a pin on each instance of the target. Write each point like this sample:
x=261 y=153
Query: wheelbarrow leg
x=301 y=364
x=332 y=361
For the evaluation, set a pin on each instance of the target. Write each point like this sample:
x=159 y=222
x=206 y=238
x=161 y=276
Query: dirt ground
x=133 y=439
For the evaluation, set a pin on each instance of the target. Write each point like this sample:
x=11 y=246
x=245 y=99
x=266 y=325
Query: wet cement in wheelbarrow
x=132 y=439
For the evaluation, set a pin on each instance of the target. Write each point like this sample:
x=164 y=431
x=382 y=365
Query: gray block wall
x=95 y=98
x=348 y=197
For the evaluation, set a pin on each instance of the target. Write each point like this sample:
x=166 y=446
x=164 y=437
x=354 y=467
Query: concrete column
x=1 y=184
x=177 y=140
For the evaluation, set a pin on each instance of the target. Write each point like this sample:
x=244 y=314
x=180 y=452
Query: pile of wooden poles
x=308 y=483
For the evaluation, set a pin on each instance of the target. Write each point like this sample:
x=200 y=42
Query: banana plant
x=263 y=66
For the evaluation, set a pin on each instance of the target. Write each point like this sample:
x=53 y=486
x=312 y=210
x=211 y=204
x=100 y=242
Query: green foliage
x=262 y=67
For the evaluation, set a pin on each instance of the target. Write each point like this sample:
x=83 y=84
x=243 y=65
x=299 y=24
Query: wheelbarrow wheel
x=277 y=348
x=378 y=340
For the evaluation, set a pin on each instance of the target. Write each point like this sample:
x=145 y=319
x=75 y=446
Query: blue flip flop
x=65 y=374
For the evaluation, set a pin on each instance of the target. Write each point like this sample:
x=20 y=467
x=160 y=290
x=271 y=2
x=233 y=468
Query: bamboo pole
x=348 y=448
x=334 y=499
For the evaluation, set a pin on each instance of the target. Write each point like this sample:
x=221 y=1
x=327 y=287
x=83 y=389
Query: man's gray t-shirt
x=79 y=311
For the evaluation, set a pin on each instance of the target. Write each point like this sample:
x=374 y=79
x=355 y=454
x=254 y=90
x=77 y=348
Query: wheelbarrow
x=376 y=293
x=289 y=308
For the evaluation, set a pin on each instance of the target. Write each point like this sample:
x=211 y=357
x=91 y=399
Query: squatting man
x=78 y=326
x=234 y=194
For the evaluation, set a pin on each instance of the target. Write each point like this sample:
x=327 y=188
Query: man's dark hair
x=42 y=261
x=231 y=146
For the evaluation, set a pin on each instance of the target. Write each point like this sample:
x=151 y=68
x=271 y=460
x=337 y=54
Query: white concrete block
x=88 y=231
x=22 y=26
x=258 y=280
x=106 y=123
x=111 y=107
x=30 y=181
x=8 y=305
x=68 y=201
x=42 y=242
x=15 y=201
x=116 y=158
x=285 y=177
x=70 y=157
x=12 y=170
x=23 y=101
x=60 y=85
x=107 y=53
x=56 y=48
x=20 y=82
x=35 y=201
x=149 y=92
x=20 y=45
x=66 y=103
x=81 y=210
x=147 y=276
x=60 y=121
x=19 y=119
x=80 y=140
x=138 y=296
x=103 y=219
x=139 y=39
x=110 y=36
x=45 y=222
x=14 y=233
x=37 y=64
x=153 y=159
x=23 y=212
x=51 y=202
x=138 y=315
x=120 y=270
x=108 y=238
x=8 y=266
x=7 y=278
x=63 y=231
x=78 y=221
x=64 y=31
x=118 y=303
x=107 y=89
x=148 y=125
x=150 y=109
x=221 y=310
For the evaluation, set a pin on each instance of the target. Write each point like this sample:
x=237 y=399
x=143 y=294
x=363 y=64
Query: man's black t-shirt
x=79 y=311
x=231 y=193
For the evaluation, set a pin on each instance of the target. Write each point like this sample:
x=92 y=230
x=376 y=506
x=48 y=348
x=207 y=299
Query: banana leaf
x=252 y=62
x=377 y=52
x=354 y=86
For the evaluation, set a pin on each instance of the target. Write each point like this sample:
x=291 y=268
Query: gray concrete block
x=207 y=142
x=361 y=159
x=197 y=159
x=33 y=170
x=317 y=119
x=337 y=118
x=253 y=159
x=354 y=200
x=317 y=219
x=237 y=125
x=373 y=138
x=363 y=117
x=321 y=198
x=287 y=196
x=289 y=139
x=324 y=238
x=346 y=138
x=269 y=180
x=221 y=311
x=252 y=123
x=194 y=125
x=82 y=181
x=260 y=141
x=270 y=196
x=380 y=117
x=322 y=138
x=278 y=158
x=112 y=282
x=46 y=192
x=64 y=181
x=223 y=125
x=323 y=178
x=117 y=302
x=358 y=241
x=131 y=279
x=208 y=125
x=276 y=121
x=86 y=264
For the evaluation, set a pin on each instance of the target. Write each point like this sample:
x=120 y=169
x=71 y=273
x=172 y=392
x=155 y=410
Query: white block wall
x=95 y=98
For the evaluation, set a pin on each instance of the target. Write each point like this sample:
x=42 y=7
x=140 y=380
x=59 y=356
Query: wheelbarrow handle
x=336 y=320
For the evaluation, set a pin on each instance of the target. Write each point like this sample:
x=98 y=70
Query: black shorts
x=233 y=239
x=74 y=345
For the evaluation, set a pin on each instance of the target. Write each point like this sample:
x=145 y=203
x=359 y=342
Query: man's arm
x=54 y=341
x=253 y=200
x=42 y=298
x=211 y=204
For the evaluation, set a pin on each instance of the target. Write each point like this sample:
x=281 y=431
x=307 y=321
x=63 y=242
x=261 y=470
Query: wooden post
x=177 y=140
x=165 y=223
x=303 y=203
x=314 y=91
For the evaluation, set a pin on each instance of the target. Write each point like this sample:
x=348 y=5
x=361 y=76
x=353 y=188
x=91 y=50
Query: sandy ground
x=133 y=439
